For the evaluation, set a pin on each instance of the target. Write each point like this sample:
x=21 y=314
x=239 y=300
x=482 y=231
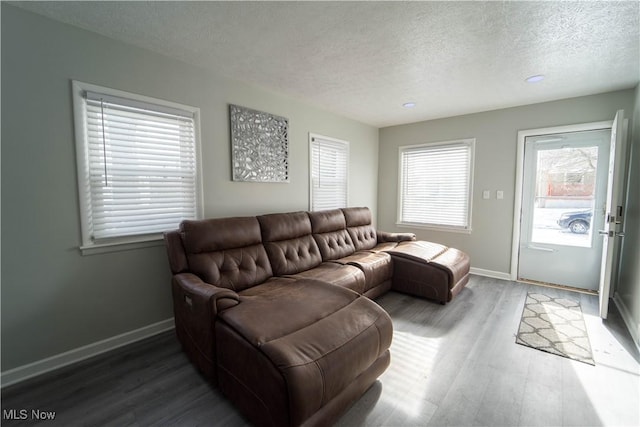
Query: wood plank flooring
x=453 y=365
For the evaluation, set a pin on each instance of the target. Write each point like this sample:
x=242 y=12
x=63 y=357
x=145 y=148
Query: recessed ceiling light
x=409 y=104
x=535 y=79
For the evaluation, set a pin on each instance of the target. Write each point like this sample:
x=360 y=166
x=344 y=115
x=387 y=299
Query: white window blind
x=139 y=174
x=435 y=184
x=329 y=173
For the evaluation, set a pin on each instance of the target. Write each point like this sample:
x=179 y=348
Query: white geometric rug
x=555 y=325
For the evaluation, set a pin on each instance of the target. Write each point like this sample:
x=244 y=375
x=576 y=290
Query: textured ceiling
x=364 y=60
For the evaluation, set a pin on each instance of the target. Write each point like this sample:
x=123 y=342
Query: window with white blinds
x=329 y=166
x=137 y=165
x=436 y=185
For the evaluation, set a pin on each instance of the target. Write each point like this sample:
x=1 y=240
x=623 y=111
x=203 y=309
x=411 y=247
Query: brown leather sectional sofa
x=276 y=309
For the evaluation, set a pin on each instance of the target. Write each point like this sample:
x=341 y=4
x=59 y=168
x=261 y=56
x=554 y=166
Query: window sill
x=140 y=243
x=434 y=227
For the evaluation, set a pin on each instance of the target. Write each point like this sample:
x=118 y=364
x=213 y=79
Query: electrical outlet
x=486 y=194
x=499 y=194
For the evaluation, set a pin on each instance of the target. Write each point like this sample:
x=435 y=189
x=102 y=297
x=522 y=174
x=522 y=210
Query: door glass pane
x=565 y=196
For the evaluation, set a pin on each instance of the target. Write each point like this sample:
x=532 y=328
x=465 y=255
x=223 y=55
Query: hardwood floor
x=453 y=365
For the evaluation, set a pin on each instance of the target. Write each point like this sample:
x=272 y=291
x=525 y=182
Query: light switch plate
x=486 y=194
x=499 y=194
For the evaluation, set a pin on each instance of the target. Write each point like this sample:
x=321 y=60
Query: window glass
x=329 y=172
x=137 y=165
x=435 y=184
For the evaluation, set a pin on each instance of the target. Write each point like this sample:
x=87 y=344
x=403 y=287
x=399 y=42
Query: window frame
x=311 y=165
x=466 y=229
x=88 y=246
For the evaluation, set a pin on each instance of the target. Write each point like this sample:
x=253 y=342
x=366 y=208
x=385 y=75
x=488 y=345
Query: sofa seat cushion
x=346 y=276
x=376 y=266
x=281 y=306
x=318 y=339
x=419 y=250
x=383 y=247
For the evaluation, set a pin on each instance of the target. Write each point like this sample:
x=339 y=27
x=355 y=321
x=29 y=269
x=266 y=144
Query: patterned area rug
x=555 y=325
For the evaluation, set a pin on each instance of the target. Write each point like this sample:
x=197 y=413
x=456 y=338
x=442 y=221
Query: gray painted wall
x=54 y=299
x=489 y=244
x=628 y=291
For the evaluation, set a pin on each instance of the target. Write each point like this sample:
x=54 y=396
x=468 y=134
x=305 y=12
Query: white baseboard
x=628 y=320
x=490 y=273
x=49 y=364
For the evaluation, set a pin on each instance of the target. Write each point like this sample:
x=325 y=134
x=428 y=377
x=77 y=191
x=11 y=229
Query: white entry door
x=613 y=207
x=563 y=207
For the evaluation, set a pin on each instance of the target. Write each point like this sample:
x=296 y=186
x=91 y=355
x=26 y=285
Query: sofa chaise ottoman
x=429 y=270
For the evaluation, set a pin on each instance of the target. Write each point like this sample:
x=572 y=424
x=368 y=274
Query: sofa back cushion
x=360 y=229
x=329 y=230
x=177 y=257
x=289 y=244
x=226 y=252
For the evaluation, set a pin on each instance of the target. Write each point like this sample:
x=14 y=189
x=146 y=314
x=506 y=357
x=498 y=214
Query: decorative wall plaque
x=259 y=145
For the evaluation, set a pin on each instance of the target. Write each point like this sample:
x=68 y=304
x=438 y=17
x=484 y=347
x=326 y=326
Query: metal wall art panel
x=259 y=145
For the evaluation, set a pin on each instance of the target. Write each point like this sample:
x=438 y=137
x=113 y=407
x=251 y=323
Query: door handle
x=611 y=233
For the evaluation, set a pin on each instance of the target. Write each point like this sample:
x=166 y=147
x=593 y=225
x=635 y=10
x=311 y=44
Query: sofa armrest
x=196 y=305
x=189 y=290
x=384 y=236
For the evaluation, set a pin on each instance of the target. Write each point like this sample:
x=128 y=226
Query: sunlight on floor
x=412 y=361
x=621 y=370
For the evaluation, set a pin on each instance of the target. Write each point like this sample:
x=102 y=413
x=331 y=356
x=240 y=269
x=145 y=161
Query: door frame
x=517 y=205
